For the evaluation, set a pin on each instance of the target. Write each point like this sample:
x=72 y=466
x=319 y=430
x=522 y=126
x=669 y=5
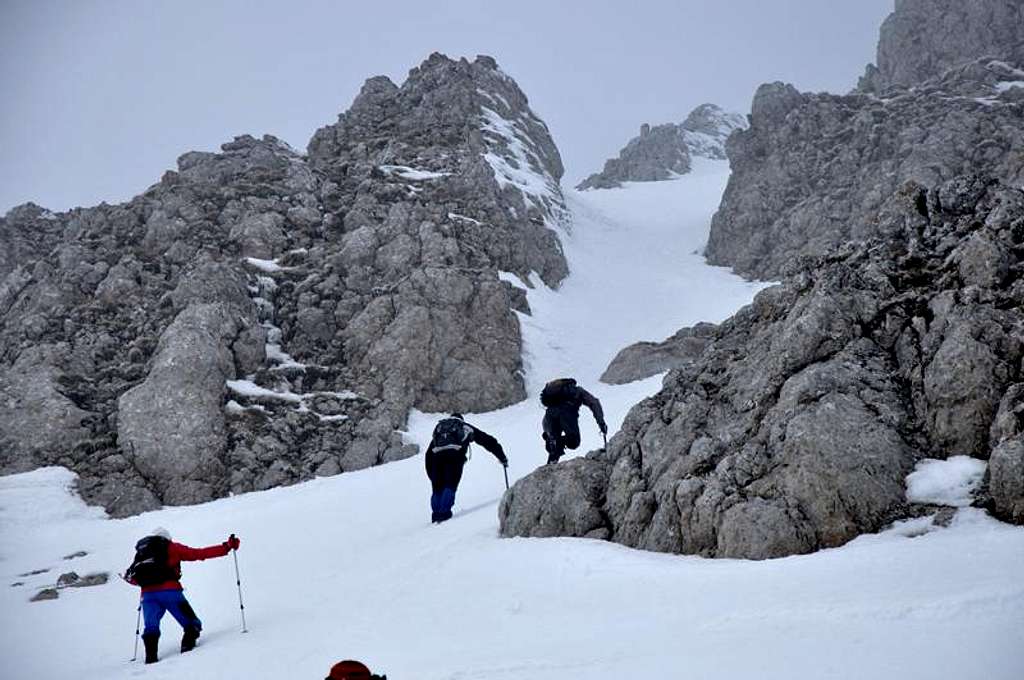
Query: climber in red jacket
x=157 y=570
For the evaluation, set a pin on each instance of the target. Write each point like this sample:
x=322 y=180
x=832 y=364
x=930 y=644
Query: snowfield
x=350 y=566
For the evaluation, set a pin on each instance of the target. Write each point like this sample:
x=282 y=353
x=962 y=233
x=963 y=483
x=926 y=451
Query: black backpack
x=559 y=392
x=451 y=434
x=150 y=565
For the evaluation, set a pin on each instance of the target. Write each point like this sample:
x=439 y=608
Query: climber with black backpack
x=446 y=456
x=562 y=399
x=157 y=570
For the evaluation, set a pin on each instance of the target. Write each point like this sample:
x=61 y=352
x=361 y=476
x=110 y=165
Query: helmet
x=352 y=670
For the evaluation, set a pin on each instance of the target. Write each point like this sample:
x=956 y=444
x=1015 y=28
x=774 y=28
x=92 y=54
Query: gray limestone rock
x=1006 y=480
x=67 y=579
x=922 y=39
x=813 y=169
x=564 y=500
x=707 y=128
x=663 y=151
x=261 y=316
x=172 y=425
x=1006 y=464
x=27 y=233
x=644 y=359
x=658 y=153
x=796 y=426
x=89 y=580
x=38 y=420
x=45 y=594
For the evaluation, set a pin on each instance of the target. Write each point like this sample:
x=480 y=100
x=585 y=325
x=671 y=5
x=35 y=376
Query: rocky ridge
x=922 y=39
x=796 y=427
x=813 y=168
x=946 y=99
x=894 y=216
x=261 y=316
x=664 y=151
x=644 y=359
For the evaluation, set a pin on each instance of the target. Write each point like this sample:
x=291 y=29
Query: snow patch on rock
x=945 y=482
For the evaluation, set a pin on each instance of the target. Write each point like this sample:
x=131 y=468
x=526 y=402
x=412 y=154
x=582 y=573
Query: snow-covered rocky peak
x=291 y=308
x=663 y=152
x=707 y=127
x=467 y=120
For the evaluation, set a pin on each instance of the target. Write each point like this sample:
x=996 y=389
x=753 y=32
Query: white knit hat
x=160 y=531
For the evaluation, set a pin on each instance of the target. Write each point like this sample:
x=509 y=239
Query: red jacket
x=178 y=553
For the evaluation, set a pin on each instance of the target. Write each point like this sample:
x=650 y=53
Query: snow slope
x=350 y=566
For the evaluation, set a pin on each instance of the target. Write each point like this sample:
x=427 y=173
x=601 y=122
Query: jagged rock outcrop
x=922 y=39
x=486 y=195
x=27 y=232
x=658 y=153
x=796 y=427
x=813 y=168
x=706 y=129
x=946 y=99
x=1006 y=465
x=644 y=359
x=664 y=151
x=173 y=423
x=261 y=316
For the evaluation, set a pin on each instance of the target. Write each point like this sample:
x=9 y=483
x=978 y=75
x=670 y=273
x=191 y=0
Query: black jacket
x=576 y=397
x=477 y=436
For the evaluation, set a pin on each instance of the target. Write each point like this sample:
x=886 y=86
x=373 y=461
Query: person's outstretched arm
x=491 y=444
x=594 y=405
x=186 y=554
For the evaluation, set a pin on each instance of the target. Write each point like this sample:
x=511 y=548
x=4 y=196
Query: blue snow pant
x=444 y=468
x=155 y=603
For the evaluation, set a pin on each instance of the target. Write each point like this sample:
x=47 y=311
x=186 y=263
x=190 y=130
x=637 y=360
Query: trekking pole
x=505 y=469
x=238 y=582
x=138 y=621
x=605 y=435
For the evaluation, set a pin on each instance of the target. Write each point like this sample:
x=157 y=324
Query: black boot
x=150 y=641
x=188 y=640
x=553 y=447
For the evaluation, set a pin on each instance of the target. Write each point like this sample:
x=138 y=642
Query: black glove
x=603 y=427
x=502 y=458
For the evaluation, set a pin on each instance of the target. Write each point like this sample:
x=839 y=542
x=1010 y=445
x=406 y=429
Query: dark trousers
x=444 y=468
x=561 y=431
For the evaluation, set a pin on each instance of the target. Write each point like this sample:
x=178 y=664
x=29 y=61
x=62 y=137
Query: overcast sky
x=99 y=98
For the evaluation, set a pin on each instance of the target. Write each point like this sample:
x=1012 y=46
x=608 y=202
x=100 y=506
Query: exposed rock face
x=560 y=500
x=659 y=153
x=1006 y=466
x=644 y=359
x=663 y=151
x=706 y=129
x=259 y=316
x=27 y=232
x=923 y=39
x=813 y=168
x=796 y=427
x=173 y=423
x=487 y=200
